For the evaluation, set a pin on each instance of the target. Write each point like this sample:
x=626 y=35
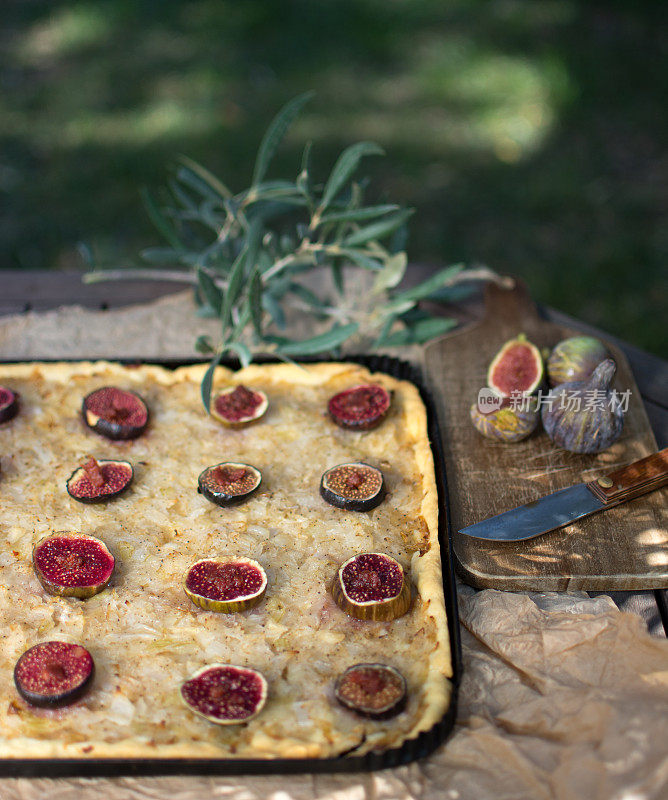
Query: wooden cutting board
x=625 y=548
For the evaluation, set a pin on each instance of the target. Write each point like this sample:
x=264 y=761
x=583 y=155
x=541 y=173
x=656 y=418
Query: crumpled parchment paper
x=563 y=696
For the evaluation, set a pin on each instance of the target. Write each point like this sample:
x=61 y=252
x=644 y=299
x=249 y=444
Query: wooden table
x=37 y=290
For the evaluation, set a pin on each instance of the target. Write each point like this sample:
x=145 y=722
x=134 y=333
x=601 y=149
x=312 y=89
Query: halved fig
x=9 y=404
x=372 y=690
x=53 y=673
x=239 y=406
x=354 y=487
x=225 y=694
x=97 y=481
x=225 y=585
x=361 y=407
x=229 y=483
x=372 y=586
x=72 y=564
x=115 y=413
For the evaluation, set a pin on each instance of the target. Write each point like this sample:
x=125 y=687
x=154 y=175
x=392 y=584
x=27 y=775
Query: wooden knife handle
x=636 y=479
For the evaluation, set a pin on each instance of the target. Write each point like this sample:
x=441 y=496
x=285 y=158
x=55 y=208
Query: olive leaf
x=242 y=252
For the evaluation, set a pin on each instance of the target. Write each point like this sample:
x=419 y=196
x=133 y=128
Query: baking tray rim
x=411 y=749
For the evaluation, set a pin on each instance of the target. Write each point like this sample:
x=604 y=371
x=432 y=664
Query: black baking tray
x=411 y=750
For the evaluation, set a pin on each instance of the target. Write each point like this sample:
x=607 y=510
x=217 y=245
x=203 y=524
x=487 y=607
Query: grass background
x=528 y=135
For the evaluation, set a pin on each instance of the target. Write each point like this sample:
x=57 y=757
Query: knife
x=565 y=506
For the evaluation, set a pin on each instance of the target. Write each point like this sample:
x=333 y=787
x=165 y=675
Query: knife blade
x=560 y=508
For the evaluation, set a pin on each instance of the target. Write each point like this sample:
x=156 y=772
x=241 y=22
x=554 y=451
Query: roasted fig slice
x=97 y=481
x=225 y=694
x=9 y=404
x=372 y=586
x=239 y=406
x=229 y=483
x=53 y=673
x=355 y=487
x=372 y=690
x=361 y=407
x=225 y=585
x=115 y=413
x=72 y=564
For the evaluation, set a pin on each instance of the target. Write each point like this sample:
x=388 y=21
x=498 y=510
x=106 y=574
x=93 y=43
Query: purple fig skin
x=115 y=413
x=589 y=429
x=360 y=408
x=377 y=691
x=506 y=424
x=9 y=404
x=99 y=481
x=575 y=359
x=225 y=694
x=229 y=482
x=53 y=673
x=353 y=487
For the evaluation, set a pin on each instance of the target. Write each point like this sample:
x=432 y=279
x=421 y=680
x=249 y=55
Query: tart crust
x=143 y=632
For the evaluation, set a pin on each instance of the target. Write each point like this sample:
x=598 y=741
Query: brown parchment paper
x=563 y=696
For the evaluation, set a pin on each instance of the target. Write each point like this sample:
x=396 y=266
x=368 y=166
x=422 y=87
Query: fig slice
x=355 y=487
x=9 y=404
x=516 y=369
x=361 y=407
x=53 y=673
x=98 y=481
x=225 y=693
x=229 y=483
x=72 y=564
x=238 y=406
x=372 y=586
x=225 y=585
x=372 y=690
x=115 y=413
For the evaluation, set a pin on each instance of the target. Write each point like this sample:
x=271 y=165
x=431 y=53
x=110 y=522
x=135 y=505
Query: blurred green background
x=529 y=136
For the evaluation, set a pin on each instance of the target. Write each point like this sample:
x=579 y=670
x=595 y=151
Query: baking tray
x=411 y=750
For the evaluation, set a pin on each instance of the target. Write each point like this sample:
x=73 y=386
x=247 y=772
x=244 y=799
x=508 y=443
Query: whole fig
x=584 y=416
x=574 y=359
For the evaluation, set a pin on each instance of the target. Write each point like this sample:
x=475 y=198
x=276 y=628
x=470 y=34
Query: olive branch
x=246 y=255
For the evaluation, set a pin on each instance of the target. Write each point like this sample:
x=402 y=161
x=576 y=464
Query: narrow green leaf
x=182 y=196
x=255 y=301
x=392 y=273
x=378 y=230
x=322 y=343
x=420 y=332
x=362 y=260
x=357 y=214
x=187 y=177
x=160 y=220
x=273 y=307
x=212 y=294
x=242 y=351
x=210 y=179
x=207 y=380
x=426 y=288
x=307 y=296
x=345 y=166
x=234 y=284
x=203 y=345
x=384 y=331
x=303 y=181
x=275 y=133
x=337 y=277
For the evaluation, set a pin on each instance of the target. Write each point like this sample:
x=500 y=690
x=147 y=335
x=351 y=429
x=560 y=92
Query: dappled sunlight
x=453 y=97
x=69 y=29
x=526 y=135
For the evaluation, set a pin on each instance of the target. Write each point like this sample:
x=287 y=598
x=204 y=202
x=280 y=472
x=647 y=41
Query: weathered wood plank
x=622 y=549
